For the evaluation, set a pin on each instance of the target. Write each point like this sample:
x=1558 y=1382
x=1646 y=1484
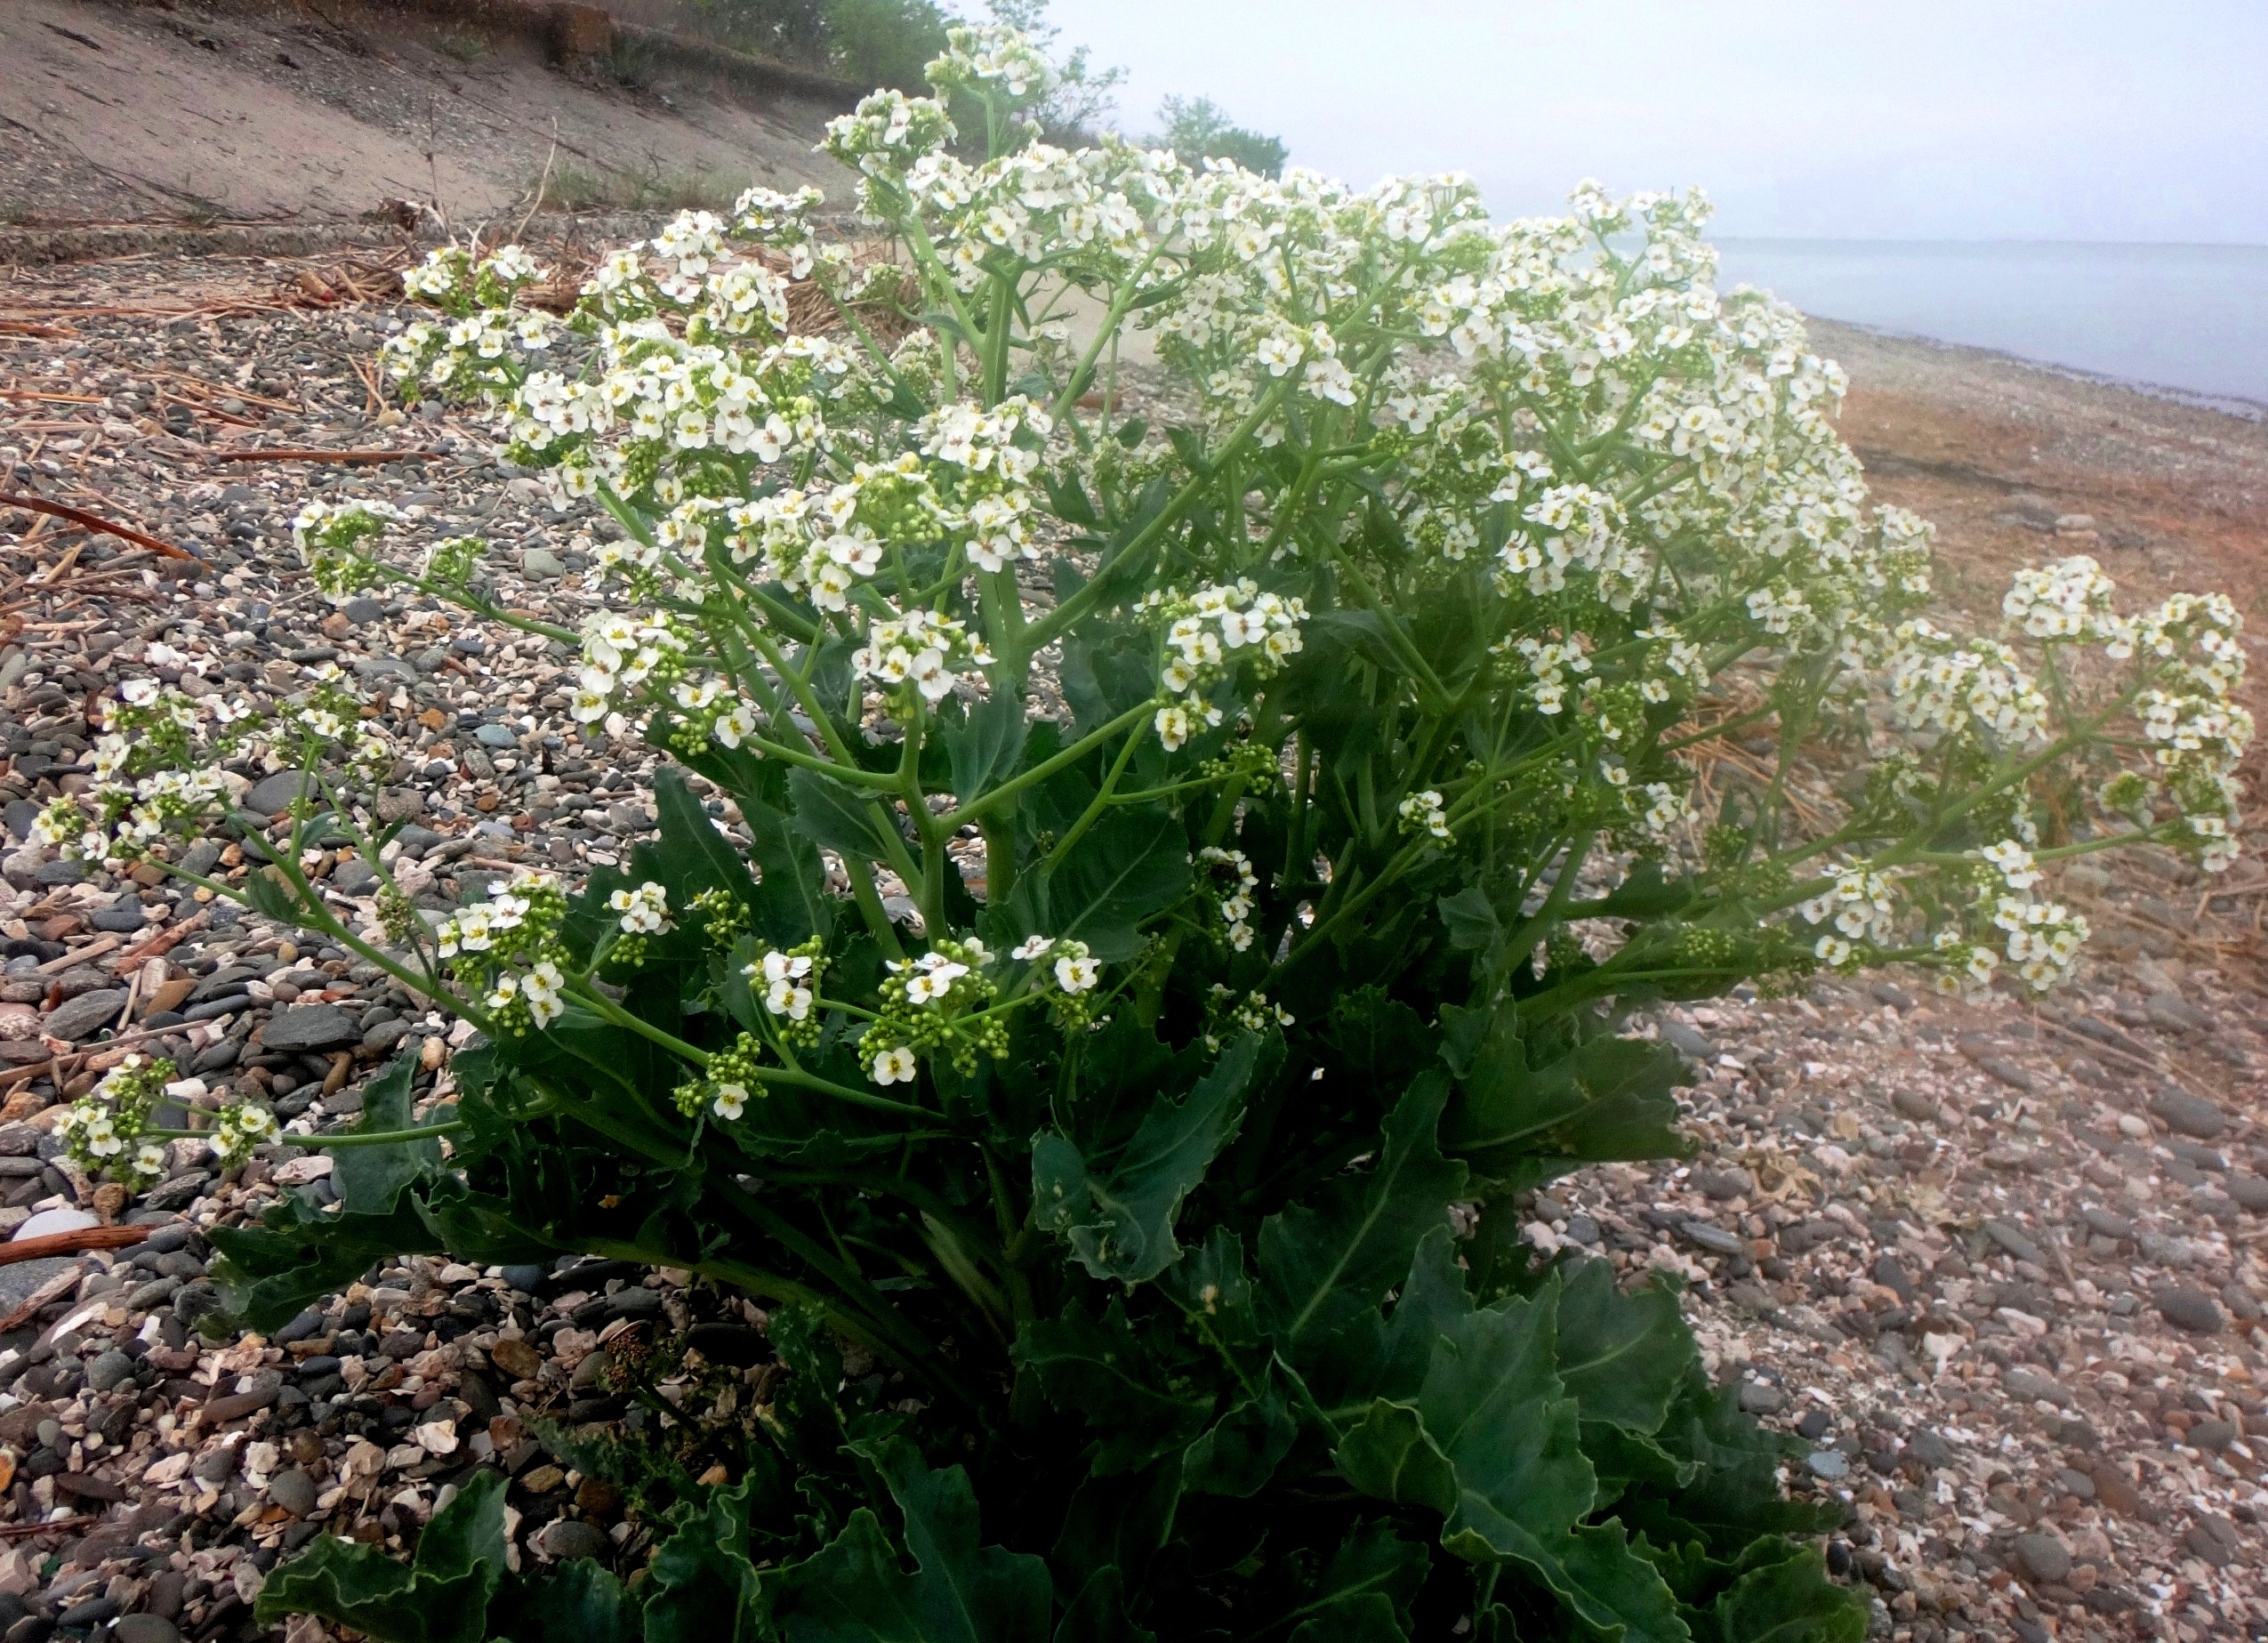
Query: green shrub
x=1169 y=885
x=1197 y=129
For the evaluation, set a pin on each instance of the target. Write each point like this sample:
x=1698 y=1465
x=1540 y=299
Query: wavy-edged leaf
x=1622 y=1356
x=1132 y=863
x=1239 y=1452
x=1119 y=1214
x=576 y=1602
x=1594 y=1570
x=854 y=1590
x=1606 y=1100
x=695 y=855
x=1321 y=1263
x=1101 y=1369
x=1785 y=1599
x=984 y=746
x=440 y=1597
x=1097 y=1614
x=835 y=817
x=370 y=1180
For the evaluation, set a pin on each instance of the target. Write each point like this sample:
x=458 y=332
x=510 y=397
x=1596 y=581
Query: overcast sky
x=1956 y=119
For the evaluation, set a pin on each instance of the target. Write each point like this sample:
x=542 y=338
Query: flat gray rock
x=80 y=1018
x=2189 y=1115
x=2191 y=1309
x=304 y=1027
x=276 y=792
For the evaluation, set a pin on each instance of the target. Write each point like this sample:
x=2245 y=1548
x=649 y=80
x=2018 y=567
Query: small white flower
x=895 y=1066
x=1077 y=975
x=731 y=1101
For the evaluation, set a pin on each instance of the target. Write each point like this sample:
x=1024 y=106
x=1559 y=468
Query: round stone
x=108 y=1370
x=571 y=1537
x=2191 y=1309
x=294 y=1491
x=2044 y=1557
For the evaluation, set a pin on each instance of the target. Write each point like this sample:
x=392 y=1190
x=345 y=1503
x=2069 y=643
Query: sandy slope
x=111 y=111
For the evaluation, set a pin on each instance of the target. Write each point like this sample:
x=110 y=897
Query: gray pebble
x=2044 y=1557
x=80 y=1018
x=145 y=1629
x=1714 y=1239
x=571 y=1537
x=276 y=792
x=294 y=1491
x=1927 y=1446
x=1762 y=1397
x=1828 y=1463
x=2191 y=1309
x=2012 y=1239
x=2189 y=1115
x=105 y=1372
x=2103 y=1223
x=304 y=1027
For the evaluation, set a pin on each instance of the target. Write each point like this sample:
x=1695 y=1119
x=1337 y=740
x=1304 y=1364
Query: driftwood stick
x=70 y=1243
x=91 y=521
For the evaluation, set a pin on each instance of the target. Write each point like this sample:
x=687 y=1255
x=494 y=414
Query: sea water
x=2189 y=318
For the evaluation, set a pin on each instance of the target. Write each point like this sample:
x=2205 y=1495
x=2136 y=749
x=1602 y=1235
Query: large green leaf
x=1606 y=1100
x=1119 y=1213
x=835 y=818
x=370 y=1180
x=1239 y=1452
x=1322 y=1263
x=985 y=745
x=695 y=855
x=1368 y=1585
x=1129 y=865
x=702 y=1586
x=576 y=1602
x=1097 y=1614
x=1594 y=1570
x=1622 y=1356
x=854 y=1591
x=439 y=1597
x=1785 y=1597
x=1101 y=1369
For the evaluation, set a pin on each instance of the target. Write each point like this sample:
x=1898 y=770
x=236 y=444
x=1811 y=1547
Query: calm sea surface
x=2193 y=318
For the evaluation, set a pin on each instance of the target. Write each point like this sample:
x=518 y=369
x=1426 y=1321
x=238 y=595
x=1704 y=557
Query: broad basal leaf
x=1118 y=1212
x=1127 y=866
x=1101 y=1368
x=1609 y=1099
x=1321 y=1262
x=370 y=1180
x=1622 y=1356
x=442 y=1596
x=1785 y=1597
x=855 y=1592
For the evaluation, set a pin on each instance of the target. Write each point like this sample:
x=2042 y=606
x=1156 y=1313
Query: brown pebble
x=2116 y=1491
x=517 y=1359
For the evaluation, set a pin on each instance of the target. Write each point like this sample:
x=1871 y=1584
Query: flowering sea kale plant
x=1167 y=879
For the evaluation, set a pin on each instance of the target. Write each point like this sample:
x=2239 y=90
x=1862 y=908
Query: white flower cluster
x=541 y=991
x=919 y=649
x=619 y=651
x=1423 y=812
x=1859 y=909
x=1206 y=635
x=1940 y=683
x=787 y=984
x=1074 y=970
x=1233 y=869
x=643 y=911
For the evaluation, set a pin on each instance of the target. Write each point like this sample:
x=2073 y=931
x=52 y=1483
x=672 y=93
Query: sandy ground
x=111 y=111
